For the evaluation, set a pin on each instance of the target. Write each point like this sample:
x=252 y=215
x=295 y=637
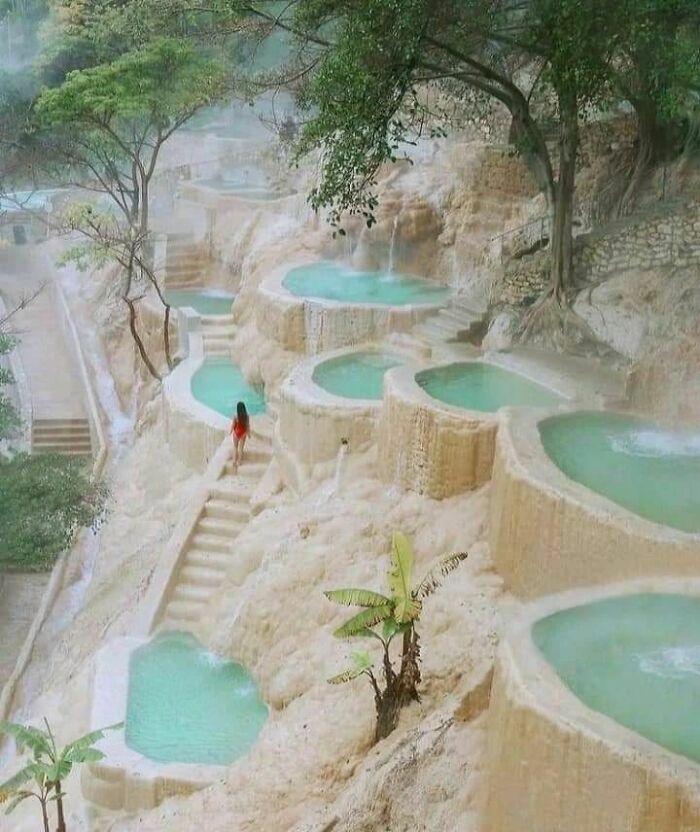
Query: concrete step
x=62 y=450
x=202 y=575
x=225 y=332
x=69 y=444
x=226 y=510
x=192 y=592
x=211 y=560
x=469 y=307
x=59 y=423
x=247 y=470
x=59 y=430
x=184 y=610
x=225 y=528
x=441 y=327
x=211 y=543
x=212 y=343
x=234 y=493
x=209 y=321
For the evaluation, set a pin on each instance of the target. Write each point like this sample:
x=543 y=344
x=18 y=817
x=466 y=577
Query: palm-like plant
x=397 y=613
x=47 y=768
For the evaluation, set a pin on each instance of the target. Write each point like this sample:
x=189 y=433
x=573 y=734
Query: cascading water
x=392 y=249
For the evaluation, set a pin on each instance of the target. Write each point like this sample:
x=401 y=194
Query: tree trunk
x=44 y=814
x=137 y=339
x=530 y=143
x=166 y=336
x=387 y=714
x=61 y=823
x=561 y=267
x=647 y=151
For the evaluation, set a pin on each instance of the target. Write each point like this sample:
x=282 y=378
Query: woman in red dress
x=240 y=428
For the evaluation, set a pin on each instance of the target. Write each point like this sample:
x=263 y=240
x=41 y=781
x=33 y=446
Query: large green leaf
x=357 y=597
x=33 y=738
x=85 y=755
x=29 y=772
x=16 y=800
x=406 y=608
x=89 y=739
x=367 y=618
x=60 y=770
x=401 y=572
x=434 y=577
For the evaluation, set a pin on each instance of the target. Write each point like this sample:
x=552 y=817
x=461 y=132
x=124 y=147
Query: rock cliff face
x=312 y=769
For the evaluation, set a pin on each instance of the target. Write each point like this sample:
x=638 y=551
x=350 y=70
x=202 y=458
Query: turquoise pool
x=204 y=301
x=219 y=384
x=483 y=387
x=186 y=705
x=359 y=375
x=649 y=470
x=331 y=281
x=635 y=659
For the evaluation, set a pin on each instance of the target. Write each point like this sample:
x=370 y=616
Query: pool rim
x=274 y=285
x=300 y=380
x=520 y=434
x=555 y=701
x=409 y=387
x=110 y=692
x=192 y=189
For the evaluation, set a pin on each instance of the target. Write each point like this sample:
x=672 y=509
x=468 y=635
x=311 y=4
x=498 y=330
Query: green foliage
x=398 y=615
x=9 y=418
x=43 y=500
x=164 y=82
x=41 y=777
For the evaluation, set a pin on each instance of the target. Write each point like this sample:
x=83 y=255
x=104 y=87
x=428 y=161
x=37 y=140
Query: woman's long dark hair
x=242 y=415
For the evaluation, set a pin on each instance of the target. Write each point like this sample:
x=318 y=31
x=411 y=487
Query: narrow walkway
x=52 y=374
x=20 y=597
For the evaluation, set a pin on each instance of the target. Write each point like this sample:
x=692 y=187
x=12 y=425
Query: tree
x=102 y=130
x=658 y=73
x=41 y=778
x=398 y=614
x=364 y=71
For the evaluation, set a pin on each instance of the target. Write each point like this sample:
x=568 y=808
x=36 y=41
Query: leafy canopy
x=165 y=82
x=44 y=499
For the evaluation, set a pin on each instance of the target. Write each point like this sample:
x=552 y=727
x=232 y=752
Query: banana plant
x=397 y=613
x=41 y=778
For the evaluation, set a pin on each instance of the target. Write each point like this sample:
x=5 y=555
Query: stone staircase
x=211 y=545
x=70 y=437
x=460 y=321
x=217 y=333
x=184 y=260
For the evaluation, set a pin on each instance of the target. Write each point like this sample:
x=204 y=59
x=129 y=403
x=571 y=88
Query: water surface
x=332 y=281
x=186 y=705
x=635 y=659
x=220 y=384
x=484 y=387
x=647 y=469
x=204 y=301
x=359 y=375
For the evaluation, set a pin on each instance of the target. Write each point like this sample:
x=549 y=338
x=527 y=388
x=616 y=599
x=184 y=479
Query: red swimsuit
x=239 y=429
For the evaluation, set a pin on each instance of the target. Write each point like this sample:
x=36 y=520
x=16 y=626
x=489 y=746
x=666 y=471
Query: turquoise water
x=204 y=301
x=356 y=376
x=186 y=705
x=219 y=384
x=483 y=387
x=651 y=471
x=634 y=658
x=331 y=281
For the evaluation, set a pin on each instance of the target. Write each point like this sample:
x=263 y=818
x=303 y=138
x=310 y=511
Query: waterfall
x=339 y=460
x=330 y=489
x=392 y=245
